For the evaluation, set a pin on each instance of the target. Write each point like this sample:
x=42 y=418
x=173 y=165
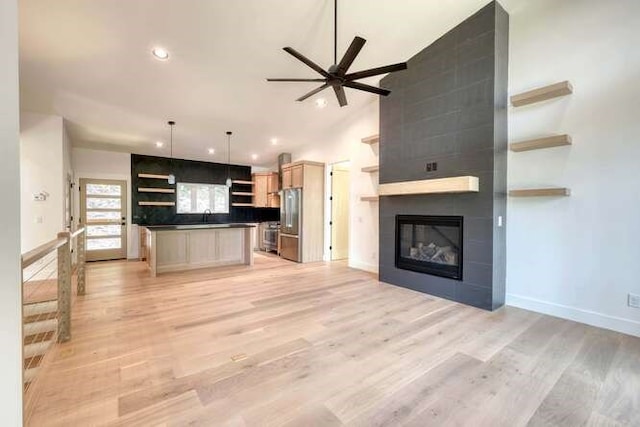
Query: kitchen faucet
x=205 y=215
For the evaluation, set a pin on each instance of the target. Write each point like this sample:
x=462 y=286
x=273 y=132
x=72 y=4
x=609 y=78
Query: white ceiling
x=90 y=62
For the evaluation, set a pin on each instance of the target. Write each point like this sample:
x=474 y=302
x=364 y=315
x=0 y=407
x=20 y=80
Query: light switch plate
x=634 y=300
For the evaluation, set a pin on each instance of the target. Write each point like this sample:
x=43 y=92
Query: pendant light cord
x=228 y=154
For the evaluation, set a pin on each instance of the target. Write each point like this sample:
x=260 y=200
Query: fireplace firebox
x=430 y=244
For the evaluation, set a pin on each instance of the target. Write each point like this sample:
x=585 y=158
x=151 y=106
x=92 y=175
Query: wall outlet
x=634 y=300
x=431 y=167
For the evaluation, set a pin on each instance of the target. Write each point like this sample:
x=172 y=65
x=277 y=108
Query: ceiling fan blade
x=313 y=92
x=342 y=97
x=376 y=71
x=367 y=88
x=291 y=51
x=296 y=80
x=350 y=55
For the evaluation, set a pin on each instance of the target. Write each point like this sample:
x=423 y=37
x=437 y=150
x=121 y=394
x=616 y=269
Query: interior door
x=340 y=212
x=103 y=211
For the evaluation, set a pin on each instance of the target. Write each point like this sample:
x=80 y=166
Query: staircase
x=48 y=272
x=40 y=326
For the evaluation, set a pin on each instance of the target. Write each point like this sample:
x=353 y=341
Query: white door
x=103 y=212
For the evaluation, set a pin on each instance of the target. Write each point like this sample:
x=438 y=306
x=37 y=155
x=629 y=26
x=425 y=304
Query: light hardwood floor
x=321 y=345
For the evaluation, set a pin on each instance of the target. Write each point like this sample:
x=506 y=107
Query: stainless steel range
x=270 y=236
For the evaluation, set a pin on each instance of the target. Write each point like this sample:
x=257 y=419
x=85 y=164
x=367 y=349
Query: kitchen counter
x=183 y=247
x=197 y=226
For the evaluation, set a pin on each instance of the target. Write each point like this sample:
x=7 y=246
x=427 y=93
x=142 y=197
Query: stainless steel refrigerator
x=290 y=224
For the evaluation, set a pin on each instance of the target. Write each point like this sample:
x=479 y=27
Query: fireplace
x=430 y=244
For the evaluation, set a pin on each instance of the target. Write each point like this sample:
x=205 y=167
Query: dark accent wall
x=450 y=107
x=189 y=171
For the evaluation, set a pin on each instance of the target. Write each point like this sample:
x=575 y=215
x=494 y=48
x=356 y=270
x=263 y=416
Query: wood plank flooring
x=284 y=344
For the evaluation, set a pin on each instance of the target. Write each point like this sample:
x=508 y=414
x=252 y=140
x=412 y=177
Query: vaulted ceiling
x=90 y=62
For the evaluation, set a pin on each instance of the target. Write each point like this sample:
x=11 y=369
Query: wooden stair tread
x=41 y=307
x=541 y=143
x=371 y=169
x=373 y=198
x=35 y=349
x=542 y=94
x=40 y=327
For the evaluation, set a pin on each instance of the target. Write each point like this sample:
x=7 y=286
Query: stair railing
x=63 y=245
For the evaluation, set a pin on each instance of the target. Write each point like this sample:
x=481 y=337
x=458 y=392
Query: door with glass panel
x=103 y=212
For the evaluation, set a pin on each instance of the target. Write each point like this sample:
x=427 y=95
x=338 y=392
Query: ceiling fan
x=336 y=76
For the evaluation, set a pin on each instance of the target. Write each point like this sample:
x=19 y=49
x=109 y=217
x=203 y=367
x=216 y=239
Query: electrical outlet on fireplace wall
x=634 y=300
x=431 y=167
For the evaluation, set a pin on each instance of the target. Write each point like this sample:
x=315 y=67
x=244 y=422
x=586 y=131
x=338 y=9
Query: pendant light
x=228 y=182
x=172 y=177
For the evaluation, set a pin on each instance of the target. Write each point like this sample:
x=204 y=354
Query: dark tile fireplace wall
x=195 y=172
x=450 y=107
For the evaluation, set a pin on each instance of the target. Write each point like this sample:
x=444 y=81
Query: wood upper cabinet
x=264 y=189
x=286 y=178
x=273 y=183
x=260 y=182
x=297 y=174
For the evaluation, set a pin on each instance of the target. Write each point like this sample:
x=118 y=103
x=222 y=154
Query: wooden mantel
x=456 y=184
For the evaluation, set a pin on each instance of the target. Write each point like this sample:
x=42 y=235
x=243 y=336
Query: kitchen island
x=187 y=247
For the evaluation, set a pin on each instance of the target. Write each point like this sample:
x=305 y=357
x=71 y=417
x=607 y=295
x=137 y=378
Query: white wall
x=98 y=164
x=344 y=144
x=577 y=257
x=42 y=165
x=10 y=295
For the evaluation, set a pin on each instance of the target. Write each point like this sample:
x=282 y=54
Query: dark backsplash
x=195 y=172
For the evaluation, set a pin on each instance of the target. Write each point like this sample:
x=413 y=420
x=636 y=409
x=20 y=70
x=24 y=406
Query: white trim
x=371 y=268
x=619 y=324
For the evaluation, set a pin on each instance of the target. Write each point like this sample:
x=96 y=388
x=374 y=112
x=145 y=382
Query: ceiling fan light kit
x=336 y=76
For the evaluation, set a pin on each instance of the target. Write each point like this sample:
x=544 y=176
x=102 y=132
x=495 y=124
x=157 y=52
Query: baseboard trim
x=618 y=324
x=371 y=268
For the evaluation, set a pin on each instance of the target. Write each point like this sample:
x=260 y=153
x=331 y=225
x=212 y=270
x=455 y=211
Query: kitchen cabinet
x=297 y=176
x=309 y=240
x=273 y=185
x=265 y=191
x=286 y=178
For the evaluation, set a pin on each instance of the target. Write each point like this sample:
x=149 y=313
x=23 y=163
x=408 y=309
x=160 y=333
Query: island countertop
x=196 y=226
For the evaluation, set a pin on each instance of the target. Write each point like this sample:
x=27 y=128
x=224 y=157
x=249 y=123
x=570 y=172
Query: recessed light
x=321 y=102
x=211 y=151
x=159 y=144
x=274 y=141
x=160 y=53
x=254 y=156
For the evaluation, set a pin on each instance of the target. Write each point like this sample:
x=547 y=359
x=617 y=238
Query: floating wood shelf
x=155 y=190
x=371 y=169
x=245 y=205
x=542 y=94
x=239 y=181
x=369 y=198
x=540 y=192
x=540 y=143
x=152 y=176
x=374 y=139
x=156 y=203
x=456 y=184
x=241 y=193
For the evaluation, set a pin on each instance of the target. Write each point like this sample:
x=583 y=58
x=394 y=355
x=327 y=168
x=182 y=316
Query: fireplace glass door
x=430 y=244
